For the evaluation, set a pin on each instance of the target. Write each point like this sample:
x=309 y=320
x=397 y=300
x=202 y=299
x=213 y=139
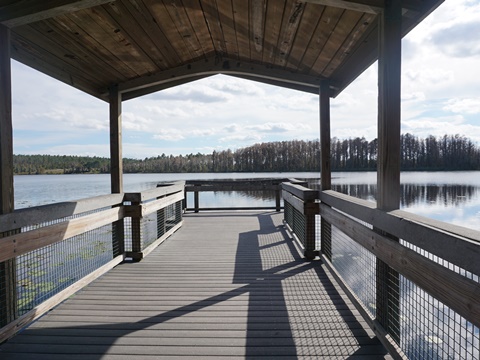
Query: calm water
x=447 y=196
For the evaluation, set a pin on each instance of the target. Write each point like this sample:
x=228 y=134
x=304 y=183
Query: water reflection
x=415 y=194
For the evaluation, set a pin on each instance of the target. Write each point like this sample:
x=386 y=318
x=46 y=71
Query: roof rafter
x=217 y=65
x=25 y=12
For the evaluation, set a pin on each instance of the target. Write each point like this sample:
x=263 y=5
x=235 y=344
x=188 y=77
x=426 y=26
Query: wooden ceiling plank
x=113 y=39
x=361 y=57
x=225 y=14
x=130 y=36
x=273 y=24
x=344 y=27
x=242 y=27
x=47 y=48
x=26 y=55
x=325 y=27
x=290 y=23
x=257 y=21
x=212 y=19
x=347 y=46
x=306 y=31
x=76 y=24
x=29 y=11
x=185 y=29
x=196 y=16
x=143 y=28
x=153 y=30
x=166 y=23
x=72 y=41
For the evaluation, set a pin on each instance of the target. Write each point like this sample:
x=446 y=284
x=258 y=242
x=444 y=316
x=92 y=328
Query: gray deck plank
x=226 y=285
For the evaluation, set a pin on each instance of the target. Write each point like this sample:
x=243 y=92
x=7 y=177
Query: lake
x=452 y=197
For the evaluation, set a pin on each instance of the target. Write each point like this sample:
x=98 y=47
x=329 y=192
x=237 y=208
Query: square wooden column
x=8 y=292
x=326 y=173
x=388 y=163
x=116 y=164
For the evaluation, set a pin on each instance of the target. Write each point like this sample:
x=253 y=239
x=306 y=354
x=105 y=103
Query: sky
x=440 y=95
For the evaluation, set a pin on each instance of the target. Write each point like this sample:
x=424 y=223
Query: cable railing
x=49 y=252
x=415 y=280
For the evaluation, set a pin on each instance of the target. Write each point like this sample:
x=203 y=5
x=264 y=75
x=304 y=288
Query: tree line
x=450 y=152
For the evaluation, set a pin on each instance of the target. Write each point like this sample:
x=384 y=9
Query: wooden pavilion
x=117 y=50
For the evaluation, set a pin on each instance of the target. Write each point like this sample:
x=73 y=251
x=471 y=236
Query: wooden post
x=116 y=165
x=8 y=291
x=326 y=173
x=278 y=194
x=196 y=201
x=388 y=165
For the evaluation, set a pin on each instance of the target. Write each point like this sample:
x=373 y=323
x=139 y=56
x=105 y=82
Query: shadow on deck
x=227 y=285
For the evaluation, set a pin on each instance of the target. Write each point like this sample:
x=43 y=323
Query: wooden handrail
x=435 y=237
x=197 y=186
x=45 y=213
x=454 y=290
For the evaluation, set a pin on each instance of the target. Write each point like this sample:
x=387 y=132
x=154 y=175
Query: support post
x=388 y=165
x=116 y=165
x=196 y=201
x=278 y=194
x=8 y=291
x=326 y=172
x=137 y=238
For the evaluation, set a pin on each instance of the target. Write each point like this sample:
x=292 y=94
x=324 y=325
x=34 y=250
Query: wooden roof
x=148 y=45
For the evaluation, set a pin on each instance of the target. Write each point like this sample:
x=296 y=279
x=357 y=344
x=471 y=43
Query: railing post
x=137 y=241
x=277 y=199
x=310 y=252
x=195 y=201
x=8 y=269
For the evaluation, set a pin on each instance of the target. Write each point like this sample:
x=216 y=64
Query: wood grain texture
x=241 y=292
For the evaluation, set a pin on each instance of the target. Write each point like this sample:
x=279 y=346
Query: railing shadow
x=266 y=262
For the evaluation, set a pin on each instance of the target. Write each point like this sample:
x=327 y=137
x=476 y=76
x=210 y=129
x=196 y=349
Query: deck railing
x=257 y=185
x=49 y=252
x=415 y=280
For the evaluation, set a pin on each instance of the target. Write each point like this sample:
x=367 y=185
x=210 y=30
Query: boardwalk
x=227 y=285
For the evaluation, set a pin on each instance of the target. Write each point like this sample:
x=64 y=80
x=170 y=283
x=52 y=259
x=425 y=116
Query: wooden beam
x=213 y=66
x=371 y=7
x=116 y=165
x=367 y=6
x=24 y=12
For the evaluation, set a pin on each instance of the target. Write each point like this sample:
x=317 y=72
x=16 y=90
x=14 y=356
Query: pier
x=127 y=275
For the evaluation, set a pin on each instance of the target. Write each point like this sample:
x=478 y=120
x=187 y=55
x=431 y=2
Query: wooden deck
x=227 y=285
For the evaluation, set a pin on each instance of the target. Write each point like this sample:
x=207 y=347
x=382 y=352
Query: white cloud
x=467 y=106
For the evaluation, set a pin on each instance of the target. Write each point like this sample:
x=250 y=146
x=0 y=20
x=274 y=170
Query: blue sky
x=440 y=95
